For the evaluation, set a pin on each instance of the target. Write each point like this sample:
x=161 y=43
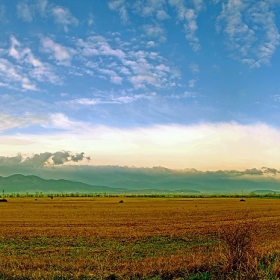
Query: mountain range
x=121 y=180
x=19 y=183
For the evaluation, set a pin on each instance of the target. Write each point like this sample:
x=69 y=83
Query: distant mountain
x=19 y=183
x=117 y=179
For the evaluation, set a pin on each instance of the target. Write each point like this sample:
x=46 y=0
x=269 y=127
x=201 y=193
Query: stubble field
x=142 y=238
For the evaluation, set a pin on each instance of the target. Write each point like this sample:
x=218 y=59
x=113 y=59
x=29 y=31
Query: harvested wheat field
x=142 y=238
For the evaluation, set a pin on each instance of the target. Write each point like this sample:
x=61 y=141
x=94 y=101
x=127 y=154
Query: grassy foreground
x=142 y=238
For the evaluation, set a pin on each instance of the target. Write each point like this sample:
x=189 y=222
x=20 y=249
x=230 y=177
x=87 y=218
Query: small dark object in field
x=3 y=200
x=36 y=199
x=51 y=197
x=121 y=201
x=111 y=277
x=242 y=200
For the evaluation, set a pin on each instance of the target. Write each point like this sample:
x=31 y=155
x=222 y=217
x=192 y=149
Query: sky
x=174 y=83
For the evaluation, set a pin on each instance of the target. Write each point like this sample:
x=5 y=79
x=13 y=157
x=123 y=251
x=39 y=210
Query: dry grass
x=142 y=238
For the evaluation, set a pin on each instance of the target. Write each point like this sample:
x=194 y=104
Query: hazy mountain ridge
x=119 y=179
x=19 y=183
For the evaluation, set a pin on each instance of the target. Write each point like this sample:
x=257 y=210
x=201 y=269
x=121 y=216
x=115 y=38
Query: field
x=142 y=238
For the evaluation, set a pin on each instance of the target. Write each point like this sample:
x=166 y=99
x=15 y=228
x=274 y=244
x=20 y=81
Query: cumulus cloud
x=252 y=35
x=43 y=159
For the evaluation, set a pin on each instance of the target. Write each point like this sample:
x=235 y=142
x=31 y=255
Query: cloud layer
x=204 y=146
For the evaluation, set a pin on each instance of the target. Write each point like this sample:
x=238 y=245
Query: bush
x=237 y=242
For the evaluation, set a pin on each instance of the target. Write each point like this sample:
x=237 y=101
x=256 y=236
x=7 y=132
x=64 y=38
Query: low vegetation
x=142 y=238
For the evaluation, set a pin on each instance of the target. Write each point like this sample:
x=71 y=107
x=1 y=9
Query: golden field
x=142 y=238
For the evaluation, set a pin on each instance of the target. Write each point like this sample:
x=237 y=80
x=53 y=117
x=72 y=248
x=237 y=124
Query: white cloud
x=10 y=73
x=61 y=121
x=90 y=19
x=24 y=11
x=108 y=99
x=150 y=44
x=154 y=31
x=64 y=17
x=192 y=83
x=60 y=53
x=189 y=16
x=140 y=68
x=252 y=35
x=150 y=7
x=194 y=67
x=120 y=7
x=42 y=7
x=186 y=94
x=13 y=121
x=31 y=66
x=2 y=12
x=203 y=146
x=13 y=51
x=162 y=15
x=114 y=78
x=98 y=45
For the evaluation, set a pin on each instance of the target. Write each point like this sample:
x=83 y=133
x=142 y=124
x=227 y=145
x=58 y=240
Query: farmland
x=142 y=238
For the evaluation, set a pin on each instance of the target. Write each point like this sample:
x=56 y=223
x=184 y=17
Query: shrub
x=237 y=242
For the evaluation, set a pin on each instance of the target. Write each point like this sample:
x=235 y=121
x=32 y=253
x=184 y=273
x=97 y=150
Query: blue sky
x=178 y=83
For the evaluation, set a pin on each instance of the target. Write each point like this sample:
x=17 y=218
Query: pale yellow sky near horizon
x=204 y=146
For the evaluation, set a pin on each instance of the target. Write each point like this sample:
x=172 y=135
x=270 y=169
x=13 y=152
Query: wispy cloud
x=186 y=94
x=64 y=17
x=192 y=83
x=28 y=66
x=24 y=11
x=189 y=16
x=154 y=31
x=13 y=121
x=60 y=53
x=2 y=12
x=251 y=32
x=120 y=7
x=194 y=68
x=140 y=68
x=150 y=8
x=111 y=99
x=10 y=73
x=27 y=10
x=187 y=12
x=98 y=45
